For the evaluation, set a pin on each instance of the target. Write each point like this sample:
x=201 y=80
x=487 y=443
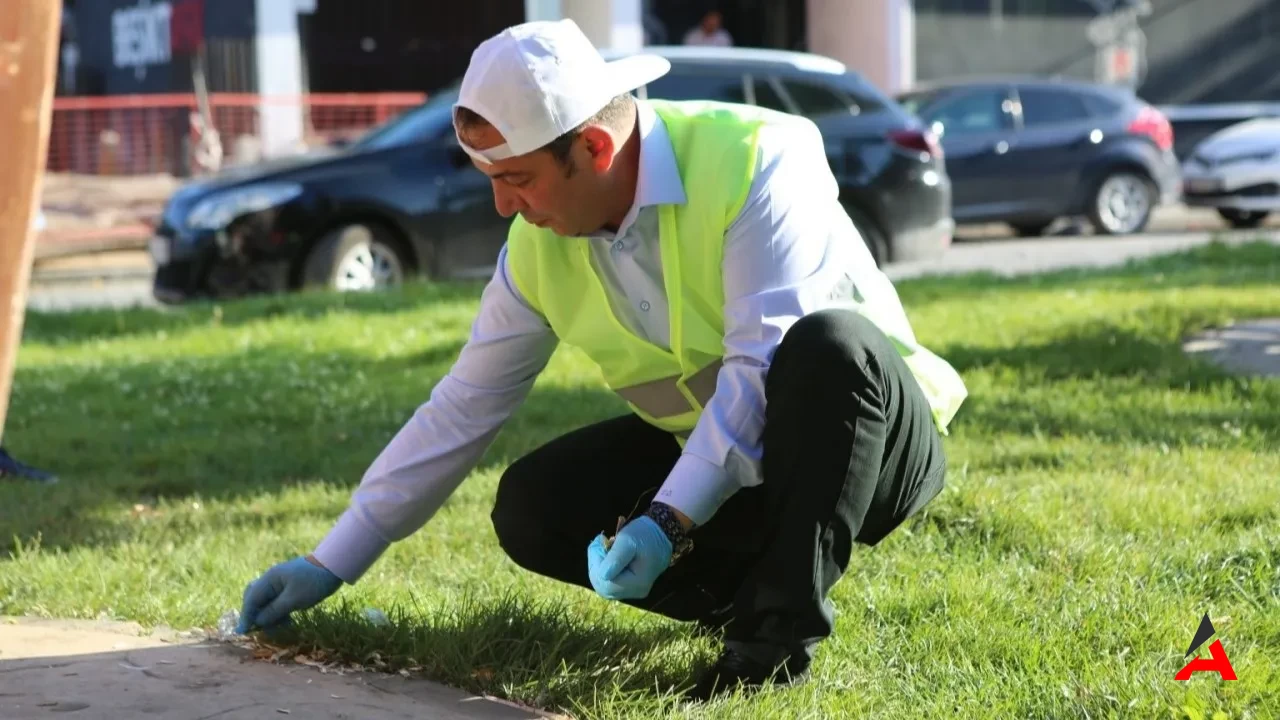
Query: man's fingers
x=626 y=586
x=619 y=557
x=596 y=550
x=273 y=613
x=259 y=594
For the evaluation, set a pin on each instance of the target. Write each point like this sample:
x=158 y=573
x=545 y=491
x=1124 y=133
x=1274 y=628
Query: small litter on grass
x=226 y=627
x=608 y=541
x=376 y=617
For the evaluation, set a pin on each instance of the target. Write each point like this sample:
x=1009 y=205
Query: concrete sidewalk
x=111 y=671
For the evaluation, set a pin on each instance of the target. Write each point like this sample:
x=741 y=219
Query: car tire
x=1030 y=229
x=358 y=257
x=1243 y=219
x=871 y=235
x=1122 y=203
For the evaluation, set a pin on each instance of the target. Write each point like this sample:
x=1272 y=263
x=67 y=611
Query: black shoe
x=715 y=622
x=10 y=468
x=734 y=669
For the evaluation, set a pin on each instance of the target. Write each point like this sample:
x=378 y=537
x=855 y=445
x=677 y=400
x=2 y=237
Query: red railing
x=145 y=134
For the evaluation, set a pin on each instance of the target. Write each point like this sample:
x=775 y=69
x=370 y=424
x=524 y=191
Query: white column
x=279 y=59
x=874 y=37
x=611 y=24
x=541 y=10
x=904 y=37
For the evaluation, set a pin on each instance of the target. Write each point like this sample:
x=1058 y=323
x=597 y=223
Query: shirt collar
x=658 y=181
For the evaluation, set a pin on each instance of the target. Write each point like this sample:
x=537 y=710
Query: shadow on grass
x=1091 y=351
x=1227 y=428
x=542 y=653
x=1102 y=352
x=230 y=426
x=101 y=324
x=1213 y=265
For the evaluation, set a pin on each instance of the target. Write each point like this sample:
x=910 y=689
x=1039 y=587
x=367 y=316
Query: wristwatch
x=665 y=517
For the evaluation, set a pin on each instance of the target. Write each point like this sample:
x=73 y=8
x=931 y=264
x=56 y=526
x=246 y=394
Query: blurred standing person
x=709 y=31
x=11 y=468
x=655 y=31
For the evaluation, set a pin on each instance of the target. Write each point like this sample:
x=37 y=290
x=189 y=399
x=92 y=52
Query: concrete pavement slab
x=111 y=671
x=1248 y=347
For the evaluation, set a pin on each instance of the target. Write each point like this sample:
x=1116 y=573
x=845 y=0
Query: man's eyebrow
x=507 y=174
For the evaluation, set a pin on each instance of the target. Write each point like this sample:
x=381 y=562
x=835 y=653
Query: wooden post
x=28 y=70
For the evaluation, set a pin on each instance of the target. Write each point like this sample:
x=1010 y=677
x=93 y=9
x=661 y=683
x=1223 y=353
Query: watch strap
x=665 y=518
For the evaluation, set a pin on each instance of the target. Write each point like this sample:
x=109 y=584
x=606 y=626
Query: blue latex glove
x=293 y=585
x=627 y=570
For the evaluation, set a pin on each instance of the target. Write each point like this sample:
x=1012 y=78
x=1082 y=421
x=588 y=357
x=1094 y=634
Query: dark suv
x=405 y=200
x=1026 y=151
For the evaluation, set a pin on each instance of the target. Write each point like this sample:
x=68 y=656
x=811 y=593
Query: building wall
x=875 y=38
x=1196 y=50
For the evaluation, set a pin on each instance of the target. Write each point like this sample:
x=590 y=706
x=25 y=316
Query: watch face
x=681 y=550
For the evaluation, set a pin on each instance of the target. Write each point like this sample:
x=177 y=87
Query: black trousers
x=850 y=451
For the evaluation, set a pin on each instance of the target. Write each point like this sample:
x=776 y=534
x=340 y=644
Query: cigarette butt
x=608 y=542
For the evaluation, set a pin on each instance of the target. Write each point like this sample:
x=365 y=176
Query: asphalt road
x=125 y=281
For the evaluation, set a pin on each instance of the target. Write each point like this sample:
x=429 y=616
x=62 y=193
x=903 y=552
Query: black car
x=1026 y=151
x=405 y=200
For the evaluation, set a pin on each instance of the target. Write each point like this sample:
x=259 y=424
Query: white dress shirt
x=792 y=250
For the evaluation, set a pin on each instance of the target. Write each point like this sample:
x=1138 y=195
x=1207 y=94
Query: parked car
x=404 y=200
x=1237 y=171
x=1027 y=151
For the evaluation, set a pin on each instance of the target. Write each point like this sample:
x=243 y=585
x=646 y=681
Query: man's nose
x=508 y=203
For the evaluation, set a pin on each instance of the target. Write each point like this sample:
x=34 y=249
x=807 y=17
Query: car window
x=813 y=99
x=978 y=111
x=1051 y=107
x=1099 y=105
x=426 y=122
x=767 y=96
x=866 y=99
x=697 y=86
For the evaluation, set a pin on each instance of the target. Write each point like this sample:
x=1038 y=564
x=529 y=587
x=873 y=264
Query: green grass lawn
x=1106 y=492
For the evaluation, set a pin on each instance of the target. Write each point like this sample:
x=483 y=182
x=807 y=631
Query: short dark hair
x=613 y=115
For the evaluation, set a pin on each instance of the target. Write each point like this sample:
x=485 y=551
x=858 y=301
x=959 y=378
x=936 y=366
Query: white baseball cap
x=536 y=81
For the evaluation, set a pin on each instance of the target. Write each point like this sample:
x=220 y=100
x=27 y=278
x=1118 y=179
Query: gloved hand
x=293 y=585
x=628 y=569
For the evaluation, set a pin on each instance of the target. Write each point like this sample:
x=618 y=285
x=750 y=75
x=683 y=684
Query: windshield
x=914 y=101
x=425 y=122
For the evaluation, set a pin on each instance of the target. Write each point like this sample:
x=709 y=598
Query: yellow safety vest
x=715 y=150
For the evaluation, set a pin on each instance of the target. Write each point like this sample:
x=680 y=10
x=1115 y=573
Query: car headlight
x=217 y=212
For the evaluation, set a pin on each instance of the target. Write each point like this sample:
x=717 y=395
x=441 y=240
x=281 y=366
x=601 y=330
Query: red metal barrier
x=144 y=134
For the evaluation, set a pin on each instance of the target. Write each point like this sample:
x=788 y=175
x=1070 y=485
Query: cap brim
x=635 y=71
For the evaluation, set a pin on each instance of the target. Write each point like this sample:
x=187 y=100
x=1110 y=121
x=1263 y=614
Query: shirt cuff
x=350 y=548
x=697 y=488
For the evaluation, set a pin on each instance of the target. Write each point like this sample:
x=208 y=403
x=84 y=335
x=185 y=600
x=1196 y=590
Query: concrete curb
x=114 y=670
x=64 y=243
x=90 y=274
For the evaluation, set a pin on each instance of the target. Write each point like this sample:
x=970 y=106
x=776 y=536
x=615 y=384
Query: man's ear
x=600 y=146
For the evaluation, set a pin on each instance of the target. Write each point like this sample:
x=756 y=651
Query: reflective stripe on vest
x=662 y=397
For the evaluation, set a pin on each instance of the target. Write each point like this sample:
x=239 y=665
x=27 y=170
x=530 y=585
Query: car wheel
x=871 y=235
x=1030 y=229
x=1122 y=203
x=355 y=258
x=1243 y=219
